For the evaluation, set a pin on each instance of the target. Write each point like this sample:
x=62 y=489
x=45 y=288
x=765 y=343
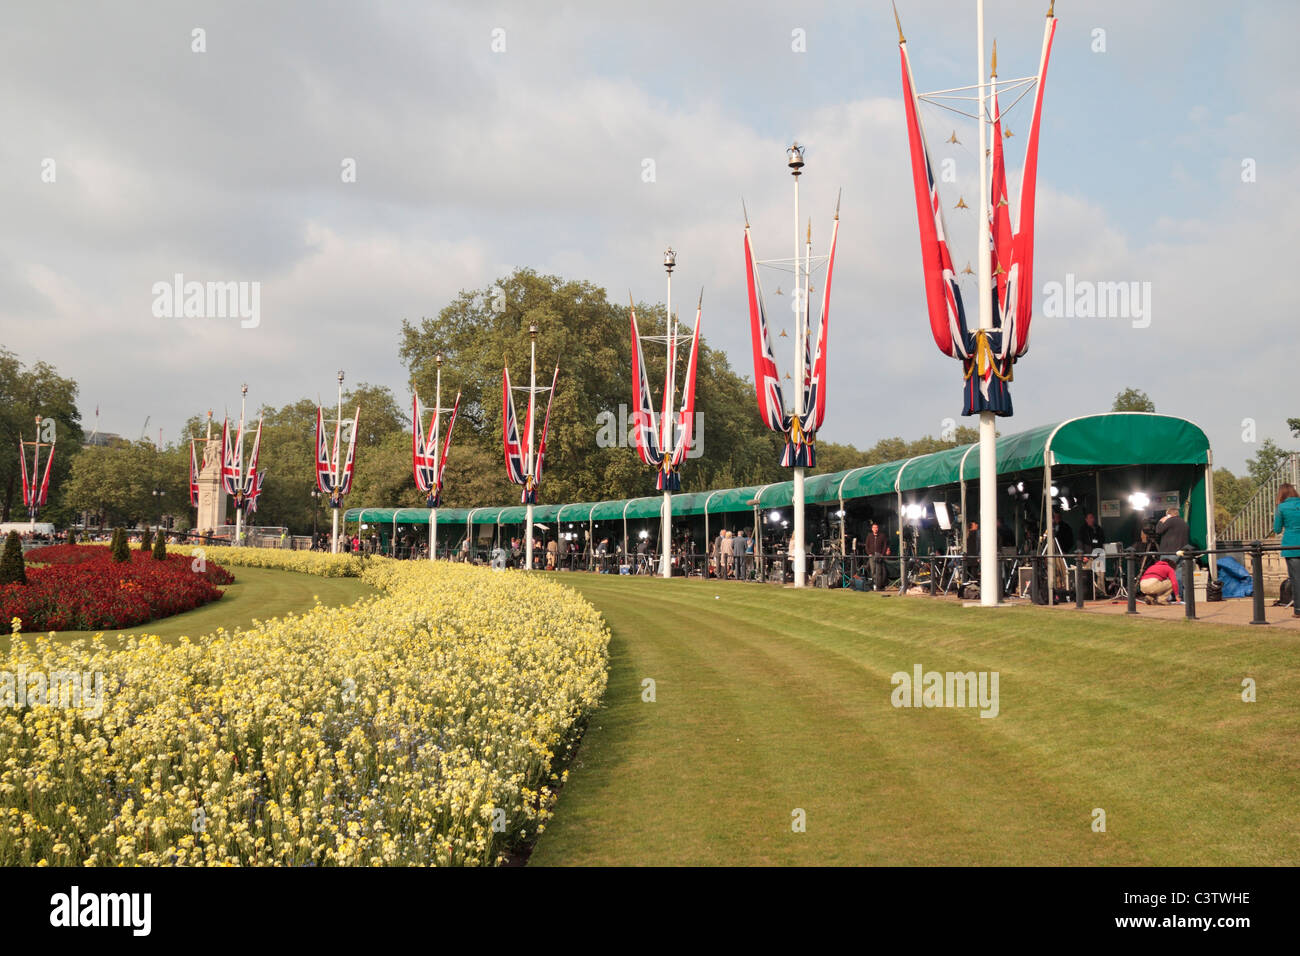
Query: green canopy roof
x=1115 y=438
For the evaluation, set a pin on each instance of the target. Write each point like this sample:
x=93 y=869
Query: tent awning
x=1110 y=439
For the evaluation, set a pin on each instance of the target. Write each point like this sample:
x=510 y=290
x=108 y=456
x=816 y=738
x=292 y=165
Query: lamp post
x=158 y=497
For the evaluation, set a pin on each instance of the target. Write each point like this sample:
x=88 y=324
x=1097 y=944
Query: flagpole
x=989 y=583
x=336 y=465
x=528 y=472
x=666 y=427
x=36 y=473
x=437 y=411
x=239 y=477
x=797 y=549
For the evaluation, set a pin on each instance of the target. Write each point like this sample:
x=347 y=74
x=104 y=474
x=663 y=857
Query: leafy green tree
x=25 y=392
x=1133 y=400
x=13 y=570
x=1294 y=425
x=586 y=459
x=1266 y=460
x=118 y=482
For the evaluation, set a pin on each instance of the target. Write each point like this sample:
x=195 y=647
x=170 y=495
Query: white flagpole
x=437 y=411
x=239 y=475
x=797 y=549
x=989 y=583
x=36 y=472
x=528 y=472
x=337 y=466
x=666 y=427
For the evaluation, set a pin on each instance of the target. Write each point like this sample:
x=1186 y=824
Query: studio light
x=1055 y=491
x=774 y=517
x=1139 y=500
x=914 y=511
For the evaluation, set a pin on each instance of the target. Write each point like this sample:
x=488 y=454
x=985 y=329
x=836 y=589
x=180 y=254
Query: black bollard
x=1130 y=583
x=1189 y=583
x=1257 y=578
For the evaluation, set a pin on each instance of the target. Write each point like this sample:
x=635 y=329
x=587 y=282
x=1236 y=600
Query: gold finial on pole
x=901 y=38
x=994 y=71
x=810 y=228
x=1051 y=7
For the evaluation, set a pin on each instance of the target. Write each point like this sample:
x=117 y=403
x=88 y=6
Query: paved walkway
x=1233 y=611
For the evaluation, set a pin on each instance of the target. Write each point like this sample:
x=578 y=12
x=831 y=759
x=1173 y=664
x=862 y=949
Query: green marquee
x=1113 y=439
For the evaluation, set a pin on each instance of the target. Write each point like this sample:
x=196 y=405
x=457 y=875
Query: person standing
x=1091 y=537
x=1172 y=535
x=717 y=554
x=1286 y=521
x=738 y=555
x=877 y=546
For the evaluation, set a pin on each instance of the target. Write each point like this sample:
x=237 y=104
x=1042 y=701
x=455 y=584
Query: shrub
x=146 y=540
x=396 y=731
x=72 y=536
x=82 y=588
x=120 y=549
x=13 y=570
x=160 y=546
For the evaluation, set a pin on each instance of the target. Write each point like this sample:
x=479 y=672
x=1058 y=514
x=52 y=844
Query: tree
x=1133 y=400
x=13 y=570
x=26 y=392
x=1266 y=460
x=119 y=481
x=119 y=547
x=160 y=546
x=586 y=458
x=146 y=540
x=1294 y=425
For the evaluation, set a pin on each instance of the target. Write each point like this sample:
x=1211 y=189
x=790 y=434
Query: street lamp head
x=670 y=260
x=340 y=376
x=438 y=358
x=794 y=158
x=243 y=389
x=532 y=332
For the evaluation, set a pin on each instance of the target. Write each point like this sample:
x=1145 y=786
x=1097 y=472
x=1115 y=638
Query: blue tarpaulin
x=1237 y=582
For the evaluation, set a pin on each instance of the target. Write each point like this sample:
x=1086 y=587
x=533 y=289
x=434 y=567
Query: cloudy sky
x=488 y=136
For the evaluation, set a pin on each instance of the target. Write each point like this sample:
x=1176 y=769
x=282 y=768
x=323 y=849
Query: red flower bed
x=80 y=588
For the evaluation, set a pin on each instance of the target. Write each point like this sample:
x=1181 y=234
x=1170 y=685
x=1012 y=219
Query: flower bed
x=80 y=588
x=425 y=725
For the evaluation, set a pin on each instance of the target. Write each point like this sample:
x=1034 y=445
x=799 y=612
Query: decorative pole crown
x=795 y=158
x=670 y=260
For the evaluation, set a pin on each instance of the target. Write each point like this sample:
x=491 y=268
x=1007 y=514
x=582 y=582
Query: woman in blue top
x=1286 y=521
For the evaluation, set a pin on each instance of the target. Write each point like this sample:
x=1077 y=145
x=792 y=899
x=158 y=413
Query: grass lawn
x=260 y=593
x=770 y=700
